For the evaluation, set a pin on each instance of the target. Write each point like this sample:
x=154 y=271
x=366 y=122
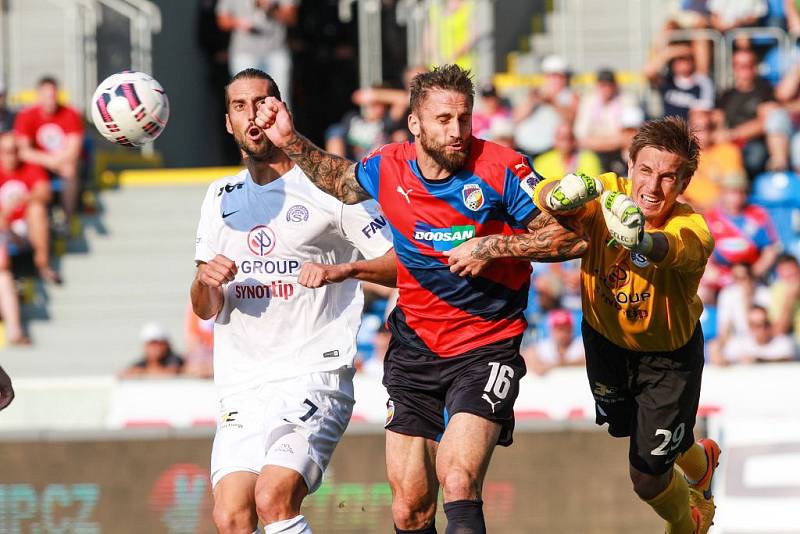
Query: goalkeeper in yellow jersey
x=641 y=330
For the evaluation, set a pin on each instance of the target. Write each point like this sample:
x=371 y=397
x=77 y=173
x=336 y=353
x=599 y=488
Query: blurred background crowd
x=731 y=68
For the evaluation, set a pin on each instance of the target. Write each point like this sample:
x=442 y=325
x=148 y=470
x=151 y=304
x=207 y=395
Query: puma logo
x=487 y=399
x=404 y=193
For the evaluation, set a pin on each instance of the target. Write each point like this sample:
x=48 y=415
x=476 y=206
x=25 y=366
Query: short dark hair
x=47 y=80
x=671 y=134
x=447 y=77
x=785 y=257
x=253 y=74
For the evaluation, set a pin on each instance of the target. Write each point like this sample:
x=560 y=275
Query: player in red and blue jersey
x=465 y=229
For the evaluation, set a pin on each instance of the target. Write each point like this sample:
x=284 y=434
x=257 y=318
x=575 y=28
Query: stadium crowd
x=749 y=131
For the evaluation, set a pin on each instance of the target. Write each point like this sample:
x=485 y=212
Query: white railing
x=73 y=59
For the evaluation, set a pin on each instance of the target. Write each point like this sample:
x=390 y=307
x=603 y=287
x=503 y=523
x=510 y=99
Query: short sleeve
x=366 y=228
x=72 y=122
x=205 y=247
x=368 y=172
x=520 y=182
x=23 y=126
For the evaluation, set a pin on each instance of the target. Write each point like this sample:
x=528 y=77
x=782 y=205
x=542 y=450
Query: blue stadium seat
x=779 y=194
x=708 y=321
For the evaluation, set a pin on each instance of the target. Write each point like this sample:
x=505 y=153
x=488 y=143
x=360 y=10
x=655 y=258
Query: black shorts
x=650 y=396
x=426 y=390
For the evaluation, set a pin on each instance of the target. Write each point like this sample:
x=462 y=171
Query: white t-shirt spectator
x=745 y=347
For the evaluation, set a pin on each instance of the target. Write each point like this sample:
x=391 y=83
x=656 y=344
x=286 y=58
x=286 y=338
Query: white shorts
x=294 y=423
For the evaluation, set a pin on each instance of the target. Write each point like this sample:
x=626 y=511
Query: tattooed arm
x=548 y=240
x=332 y=174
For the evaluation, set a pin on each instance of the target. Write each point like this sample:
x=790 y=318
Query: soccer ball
x=130 y=108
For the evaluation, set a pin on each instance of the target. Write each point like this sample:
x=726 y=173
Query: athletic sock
x=465 y=517
x=427 y=530
x=295 y=525
x=694 y=463
x=672 y=505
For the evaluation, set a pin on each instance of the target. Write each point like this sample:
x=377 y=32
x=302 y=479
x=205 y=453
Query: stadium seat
x=779 y=194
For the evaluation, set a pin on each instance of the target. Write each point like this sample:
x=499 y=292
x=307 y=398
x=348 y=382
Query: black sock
x=465 y=517
x=427 y=530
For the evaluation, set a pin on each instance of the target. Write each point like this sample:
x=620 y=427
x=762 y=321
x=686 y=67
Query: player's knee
x=459 y=484
x=277 y=503
x=233 y=519
x=412 y=512
x=648 y=486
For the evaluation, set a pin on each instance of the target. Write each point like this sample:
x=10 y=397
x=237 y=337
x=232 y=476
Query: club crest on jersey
x=639 y=260
x=473 y=196
x=297 y=213
x=261 y=240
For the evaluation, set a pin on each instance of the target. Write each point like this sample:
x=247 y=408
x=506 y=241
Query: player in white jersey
x=278 y=265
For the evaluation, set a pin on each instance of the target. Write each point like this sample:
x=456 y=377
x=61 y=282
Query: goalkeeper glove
x=573 y=191
x=625 y=222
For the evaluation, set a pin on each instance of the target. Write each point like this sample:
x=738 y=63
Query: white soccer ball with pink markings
x=130 y=108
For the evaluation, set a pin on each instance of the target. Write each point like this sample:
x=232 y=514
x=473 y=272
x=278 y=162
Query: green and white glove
x=625 y=222
x=573 y=191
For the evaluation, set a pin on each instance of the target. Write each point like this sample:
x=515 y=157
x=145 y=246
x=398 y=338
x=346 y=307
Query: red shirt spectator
x=51 y=135
x=48 y=132
x=15 y=186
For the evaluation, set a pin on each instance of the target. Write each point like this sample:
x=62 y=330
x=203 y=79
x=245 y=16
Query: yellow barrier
x=170 y=177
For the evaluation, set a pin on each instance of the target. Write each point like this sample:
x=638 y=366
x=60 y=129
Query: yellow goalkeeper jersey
x=633 y=302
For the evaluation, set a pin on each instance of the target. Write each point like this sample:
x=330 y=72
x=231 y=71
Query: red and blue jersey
x=740 y=238
x=438 y=311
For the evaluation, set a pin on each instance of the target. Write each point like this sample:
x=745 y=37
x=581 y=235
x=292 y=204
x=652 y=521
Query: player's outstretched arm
x=547 y=240
x=381 y=270
x=333 y=174
x=206 y=292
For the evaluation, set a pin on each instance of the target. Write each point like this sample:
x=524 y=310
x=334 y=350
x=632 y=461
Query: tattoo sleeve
x=548 y=240
x=332 y=174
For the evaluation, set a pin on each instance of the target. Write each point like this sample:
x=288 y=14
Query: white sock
x=295 y=525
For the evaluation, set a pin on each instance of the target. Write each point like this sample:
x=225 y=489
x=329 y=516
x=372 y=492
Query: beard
x=452 y=162
x=260 y=151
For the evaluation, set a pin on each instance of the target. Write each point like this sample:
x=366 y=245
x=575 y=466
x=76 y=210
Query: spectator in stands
x=598 y=125
x=784 y=301
x=561 y=348
x=566 y=158
x=489 y=107
x=787 y=93
x=51 y=135
x=718 y=161
x=502 y=132
x=24 y=197
x=396 y=99
x=359 y=131
x=258 y=37
x=689 y=15
x=199 y=335
x=741 y=115
x=736 y=298
x=158 y=359
x=759 y=344
x=6 y=389
x=743 y=232
x=9 y=301
x=729 y=14
x=632 y=119
x=538 y=115
x=672 y=73
x=6 y=115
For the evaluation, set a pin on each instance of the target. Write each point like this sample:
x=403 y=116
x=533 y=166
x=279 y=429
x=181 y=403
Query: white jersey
x=270 y=327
